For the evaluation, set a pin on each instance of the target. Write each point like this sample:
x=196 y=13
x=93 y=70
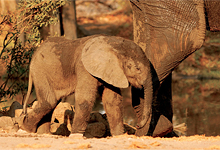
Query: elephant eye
x=138 y=69
x=129 y=65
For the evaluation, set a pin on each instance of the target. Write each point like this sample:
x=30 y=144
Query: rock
x=7 y=123
x=97 y=117
x=62 y=130
x=97 y=129
x=54 y=127
x=14 y=106
x=63 y=113
x=18 y=112
x=44 y=128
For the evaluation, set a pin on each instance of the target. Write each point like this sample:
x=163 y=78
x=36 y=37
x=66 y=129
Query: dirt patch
x=23 y=140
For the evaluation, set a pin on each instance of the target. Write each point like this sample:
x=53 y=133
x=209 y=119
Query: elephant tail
x=30 y=82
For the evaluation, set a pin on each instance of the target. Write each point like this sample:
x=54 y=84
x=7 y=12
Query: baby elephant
x=60 y=67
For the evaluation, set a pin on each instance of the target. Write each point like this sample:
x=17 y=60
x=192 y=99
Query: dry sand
x=23 y=140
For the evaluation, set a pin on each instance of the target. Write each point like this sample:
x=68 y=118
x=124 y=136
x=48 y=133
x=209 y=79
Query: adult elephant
x=169 y=31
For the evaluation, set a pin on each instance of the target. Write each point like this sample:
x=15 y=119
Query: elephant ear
x=99 y=60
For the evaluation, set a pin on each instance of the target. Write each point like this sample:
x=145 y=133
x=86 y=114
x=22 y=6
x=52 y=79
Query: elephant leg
x=46 y=103
x=85 y=95
x=162 y=105
x=112 y=102
x=164 y=98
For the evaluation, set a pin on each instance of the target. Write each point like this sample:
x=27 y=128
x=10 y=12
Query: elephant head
x=116 y=61
x=120 y=62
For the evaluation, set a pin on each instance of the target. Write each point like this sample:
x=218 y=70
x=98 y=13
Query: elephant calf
x=61 y=67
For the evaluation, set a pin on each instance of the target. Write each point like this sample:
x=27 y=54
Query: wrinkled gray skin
x=169 y=31
x=61 y=67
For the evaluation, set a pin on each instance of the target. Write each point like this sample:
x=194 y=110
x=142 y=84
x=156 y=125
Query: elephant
x=169 y=31
x=60 y=67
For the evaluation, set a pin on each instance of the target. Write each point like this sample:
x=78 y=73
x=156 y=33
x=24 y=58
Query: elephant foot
x=171 y=134
x=142 y=131
x=25 y=123
x=163 y=127
x=78 y=129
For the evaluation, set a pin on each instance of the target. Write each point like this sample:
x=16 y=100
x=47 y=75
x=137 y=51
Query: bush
x=16 y=51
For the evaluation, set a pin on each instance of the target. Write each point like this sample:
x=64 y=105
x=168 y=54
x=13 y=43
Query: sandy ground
x=23 y=140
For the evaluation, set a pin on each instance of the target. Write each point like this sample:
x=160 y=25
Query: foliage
x=16 y=52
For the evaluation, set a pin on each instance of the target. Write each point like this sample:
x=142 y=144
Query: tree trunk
x=69 y=20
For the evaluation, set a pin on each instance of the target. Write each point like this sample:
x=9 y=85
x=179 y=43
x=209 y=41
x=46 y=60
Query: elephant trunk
x=144 y=108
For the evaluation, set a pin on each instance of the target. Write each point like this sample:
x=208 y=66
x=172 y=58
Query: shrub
x=20 y=30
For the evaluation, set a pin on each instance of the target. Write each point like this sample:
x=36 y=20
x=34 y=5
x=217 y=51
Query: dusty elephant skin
x=60 y=67
x=169 y=31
